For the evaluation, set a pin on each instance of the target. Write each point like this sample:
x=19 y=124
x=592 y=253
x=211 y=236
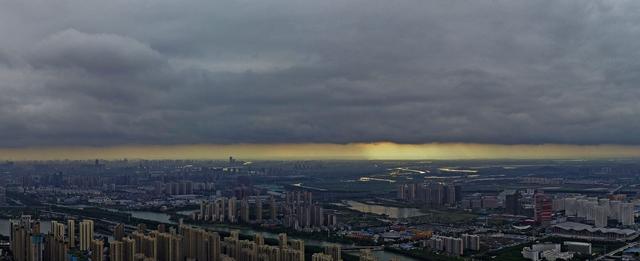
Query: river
x=392 y=212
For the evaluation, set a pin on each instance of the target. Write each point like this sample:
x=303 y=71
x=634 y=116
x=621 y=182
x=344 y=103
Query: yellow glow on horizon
x=496 y=151
x=354 y=151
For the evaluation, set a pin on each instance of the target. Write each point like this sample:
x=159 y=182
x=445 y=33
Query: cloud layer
x=75 y=73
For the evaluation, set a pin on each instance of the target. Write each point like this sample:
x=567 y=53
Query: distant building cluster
x=297 y=211
x=484 y=202
x=223 y=210
x=435 y=194
x=300 y=211
x=178 y=188
x=596 y=210
x=187 y=187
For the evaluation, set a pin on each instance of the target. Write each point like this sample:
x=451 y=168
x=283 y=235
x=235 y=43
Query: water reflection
x=147 y=215
x=153 y=216
x=392 y=212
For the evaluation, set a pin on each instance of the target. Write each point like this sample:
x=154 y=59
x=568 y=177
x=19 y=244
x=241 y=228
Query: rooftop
x=579 y=227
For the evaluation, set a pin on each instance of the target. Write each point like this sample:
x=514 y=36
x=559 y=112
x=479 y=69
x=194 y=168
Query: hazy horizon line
x=325 y=151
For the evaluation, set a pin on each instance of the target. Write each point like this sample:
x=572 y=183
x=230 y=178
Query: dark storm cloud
x=100 y=54
x=173 y=72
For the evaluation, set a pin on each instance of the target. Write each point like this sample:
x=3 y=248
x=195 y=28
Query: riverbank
x=417 y=214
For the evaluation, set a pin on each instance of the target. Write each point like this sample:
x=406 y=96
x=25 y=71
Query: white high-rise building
x=570 y=205
x=581 y=210
x=591 y=209
x=614 y=209
x=600 y=216
x=626 y=214
x=558 y=204
x=599 y=210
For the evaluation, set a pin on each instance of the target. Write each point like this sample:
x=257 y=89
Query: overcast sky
x=76 y=73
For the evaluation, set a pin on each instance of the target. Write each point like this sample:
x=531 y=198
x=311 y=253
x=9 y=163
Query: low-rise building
x=545 y=252
x=578 y=247
x=587 y=232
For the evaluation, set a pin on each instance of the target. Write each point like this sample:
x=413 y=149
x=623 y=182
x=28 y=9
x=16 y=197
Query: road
x=612 y=253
